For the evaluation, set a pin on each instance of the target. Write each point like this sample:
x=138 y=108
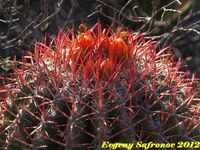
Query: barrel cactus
x=99 y=85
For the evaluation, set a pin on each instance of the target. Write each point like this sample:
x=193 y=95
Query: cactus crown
x=79 y=91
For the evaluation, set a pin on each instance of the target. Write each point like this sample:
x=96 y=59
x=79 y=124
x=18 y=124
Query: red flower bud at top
x=118 y=48
x=85 y=38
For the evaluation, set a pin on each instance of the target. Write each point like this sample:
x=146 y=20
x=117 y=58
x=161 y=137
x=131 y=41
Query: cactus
x=79 y=91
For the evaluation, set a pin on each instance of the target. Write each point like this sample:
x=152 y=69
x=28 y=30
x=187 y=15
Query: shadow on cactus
x=97 y=86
